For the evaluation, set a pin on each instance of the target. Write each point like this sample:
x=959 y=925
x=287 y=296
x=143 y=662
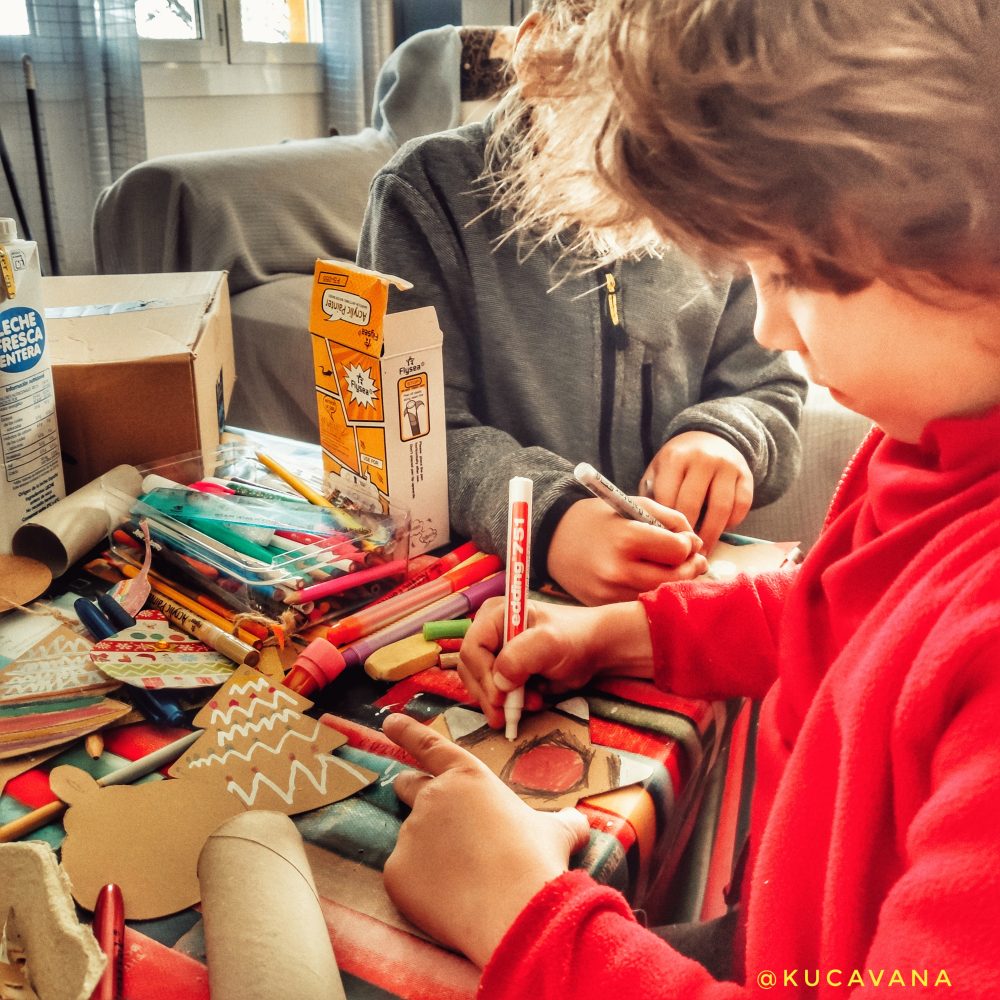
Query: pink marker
x=394 y=567
x=516 y=587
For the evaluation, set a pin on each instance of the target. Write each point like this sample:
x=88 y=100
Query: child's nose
x=774 y=327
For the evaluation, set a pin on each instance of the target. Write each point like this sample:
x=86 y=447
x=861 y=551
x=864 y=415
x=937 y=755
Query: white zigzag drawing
x=225 y=714
x=224 y=736
x=54 y=680
x=250 y=796
x=215 y=758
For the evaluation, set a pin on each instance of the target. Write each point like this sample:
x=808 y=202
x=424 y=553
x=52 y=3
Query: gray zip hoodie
x=541 y=373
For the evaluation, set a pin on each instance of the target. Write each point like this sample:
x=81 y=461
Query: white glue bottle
x=31 y=472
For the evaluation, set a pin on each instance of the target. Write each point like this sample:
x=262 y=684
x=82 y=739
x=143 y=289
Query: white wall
x=191 y=108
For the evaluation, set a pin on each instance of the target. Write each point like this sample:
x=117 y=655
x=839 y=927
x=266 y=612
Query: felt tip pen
x=516 y=585
x=394 y=567
x=381 y=613
x=306 y=677
x=448 y=561
x=211 y=635
x=108 y=927
x=619 y=501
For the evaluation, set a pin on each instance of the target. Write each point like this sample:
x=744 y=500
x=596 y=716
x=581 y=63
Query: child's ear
x=71 y=784
x=523 y=55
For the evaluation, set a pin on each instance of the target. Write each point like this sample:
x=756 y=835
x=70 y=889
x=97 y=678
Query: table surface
x=636 y=838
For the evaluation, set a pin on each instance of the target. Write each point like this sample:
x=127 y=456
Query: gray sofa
x=265 y=214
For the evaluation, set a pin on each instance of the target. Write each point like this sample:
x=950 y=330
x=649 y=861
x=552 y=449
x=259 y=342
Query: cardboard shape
x=14 y=766
x=146 y=838
x=266 y=752
x=58 y=666
x=21 y=580
x=552 y=763
x=265 y=933
x=61 y=959
x=154 y=654
x=27 y=727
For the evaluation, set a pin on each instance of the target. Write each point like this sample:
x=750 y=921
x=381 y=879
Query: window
x=236 y=31
x=15 y=19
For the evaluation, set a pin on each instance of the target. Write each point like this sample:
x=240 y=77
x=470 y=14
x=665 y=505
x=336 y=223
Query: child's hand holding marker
x=617 y=548
x=563 y=646
x=704 y=477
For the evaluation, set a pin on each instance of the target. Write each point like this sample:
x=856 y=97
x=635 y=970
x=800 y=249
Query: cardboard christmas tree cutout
x=266 y=752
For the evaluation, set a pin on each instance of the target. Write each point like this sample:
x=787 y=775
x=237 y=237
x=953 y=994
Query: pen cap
x=492 y=586
x=322 y=661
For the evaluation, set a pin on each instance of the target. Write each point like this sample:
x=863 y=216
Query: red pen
x=109 y=928
x=516 y=588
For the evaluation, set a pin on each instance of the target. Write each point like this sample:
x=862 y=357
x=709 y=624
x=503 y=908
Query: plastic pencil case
x=261 y=537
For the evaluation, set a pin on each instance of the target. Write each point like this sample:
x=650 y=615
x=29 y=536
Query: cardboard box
x=142 y=364
x=380 y=397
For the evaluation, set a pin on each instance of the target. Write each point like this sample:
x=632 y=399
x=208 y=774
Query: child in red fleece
x=849 y=153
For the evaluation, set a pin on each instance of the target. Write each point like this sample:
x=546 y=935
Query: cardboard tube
x=69 y=529
x=265 y=935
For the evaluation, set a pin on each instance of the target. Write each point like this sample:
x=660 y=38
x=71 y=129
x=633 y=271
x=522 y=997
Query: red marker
x=446 y=562
x=516 y=589
x=109 y=929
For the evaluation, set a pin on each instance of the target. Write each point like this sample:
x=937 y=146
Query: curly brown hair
x=854 y=139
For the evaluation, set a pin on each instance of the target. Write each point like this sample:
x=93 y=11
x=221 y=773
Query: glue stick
x=31 y=473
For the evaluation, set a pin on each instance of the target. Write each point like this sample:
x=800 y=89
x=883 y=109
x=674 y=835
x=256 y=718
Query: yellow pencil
x=300 y=487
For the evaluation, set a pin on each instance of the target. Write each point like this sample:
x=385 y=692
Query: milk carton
x=31 y=472
x=380 y=396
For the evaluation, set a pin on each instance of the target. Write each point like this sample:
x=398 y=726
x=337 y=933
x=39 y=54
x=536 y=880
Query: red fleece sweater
x=876 y=816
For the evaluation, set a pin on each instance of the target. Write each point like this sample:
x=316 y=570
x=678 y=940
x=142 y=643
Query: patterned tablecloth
x=637 y=832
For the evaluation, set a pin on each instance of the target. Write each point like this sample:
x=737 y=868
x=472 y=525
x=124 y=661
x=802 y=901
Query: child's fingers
x=408 y=784
x=667 y=516
x=576 y=826
x=429 y=749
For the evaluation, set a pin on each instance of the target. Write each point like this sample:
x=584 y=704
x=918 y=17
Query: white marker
x=620 y=502
x=516 y=588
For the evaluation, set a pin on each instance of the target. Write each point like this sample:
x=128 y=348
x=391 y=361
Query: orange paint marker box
x=380 y=396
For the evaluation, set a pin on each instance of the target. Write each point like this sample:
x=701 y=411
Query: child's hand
x=599 y=556
x=471 y=854
x=704 y=477
x=564 y=646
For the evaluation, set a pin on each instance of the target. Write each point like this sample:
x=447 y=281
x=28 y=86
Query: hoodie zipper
x=613 y=340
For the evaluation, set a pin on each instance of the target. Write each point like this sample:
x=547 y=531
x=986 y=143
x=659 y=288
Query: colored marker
x=516 y=585
x=213 y=636
x=619 y=501
x=305 y=678
x=448 y=561
x=394 y=567
x=380 y=613
x=109 y=928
